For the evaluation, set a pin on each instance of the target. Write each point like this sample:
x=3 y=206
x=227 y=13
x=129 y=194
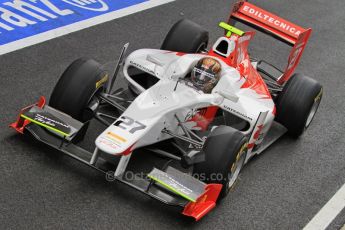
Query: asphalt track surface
x=281 y=189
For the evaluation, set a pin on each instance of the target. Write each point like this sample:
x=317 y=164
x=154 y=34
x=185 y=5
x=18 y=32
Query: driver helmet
x=206 y=74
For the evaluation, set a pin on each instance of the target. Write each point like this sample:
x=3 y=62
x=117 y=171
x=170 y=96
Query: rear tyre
x=76 y=87
x=297 y=104
x=186 y=36
x=225 y=152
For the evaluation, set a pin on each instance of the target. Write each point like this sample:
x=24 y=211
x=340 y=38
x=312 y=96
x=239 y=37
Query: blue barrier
x=20 y=19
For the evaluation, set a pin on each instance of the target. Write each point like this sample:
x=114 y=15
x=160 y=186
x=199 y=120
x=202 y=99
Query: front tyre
x=76 y=87
x=297 y=104
x=186 y=36
x=225 y=152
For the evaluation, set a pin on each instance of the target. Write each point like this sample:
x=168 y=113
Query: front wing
x=168 y=185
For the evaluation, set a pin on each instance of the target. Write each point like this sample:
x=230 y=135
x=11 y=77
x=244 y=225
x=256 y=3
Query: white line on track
x=29 y=41
x=328 y=212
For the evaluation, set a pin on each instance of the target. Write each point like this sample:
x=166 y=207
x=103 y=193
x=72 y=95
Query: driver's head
x=206 y=74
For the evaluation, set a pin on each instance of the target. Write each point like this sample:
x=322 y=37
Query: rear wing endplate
x=279 y=28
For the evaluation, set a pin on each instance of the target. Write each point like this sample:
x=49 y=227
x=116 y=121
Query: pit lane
x=281 y=189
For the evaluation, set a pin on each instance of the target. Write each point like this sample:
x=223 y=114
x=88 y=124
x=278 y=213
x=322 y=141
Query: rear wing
x=277 y=27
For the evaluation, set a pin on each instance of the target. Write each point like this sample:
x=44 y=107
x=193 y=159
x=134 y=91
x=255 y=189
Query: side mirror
x=228 y=95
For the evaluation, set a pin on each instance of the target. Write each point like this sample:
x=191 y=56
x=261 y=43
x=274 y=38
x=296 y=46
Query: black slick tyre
x=297 y=104
x=186 y=36
x=76 y=87
x=225 y=153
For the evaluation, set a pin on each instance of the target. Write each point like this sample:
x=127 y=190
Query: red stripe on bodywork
x=128 y=151
x=203 y=119
x=180 y=54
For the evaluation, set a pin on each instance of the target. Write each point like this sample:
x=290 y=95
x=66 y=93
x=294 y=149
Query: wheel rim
x=238 y=165
x=313 y=110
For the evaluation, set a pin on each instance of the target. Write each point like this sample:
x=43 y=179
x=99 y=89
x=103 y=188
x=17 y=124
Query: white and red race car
x=210 y=135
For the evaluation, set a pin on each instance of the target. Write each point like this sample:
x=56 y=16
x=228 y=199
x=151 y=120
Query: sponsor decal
x=143 y=68
x=116 y=137
x=102 y=81
x=85 y=4
x=112 y=140
x=237 y=113
x=129 y=124
x=109 y=143
x=204 y=72
x=319 y=95
x=27 y=22
x=177 y=185
x=49 y=121
x=171 y=183
x=272 y=19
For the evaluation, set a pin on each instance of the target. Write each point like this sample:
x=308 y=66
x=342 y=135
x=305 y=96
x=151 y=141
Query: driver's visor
x=203 y=75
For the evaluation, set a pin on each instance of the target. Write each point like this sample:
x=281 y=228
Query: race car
x=207 y=111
